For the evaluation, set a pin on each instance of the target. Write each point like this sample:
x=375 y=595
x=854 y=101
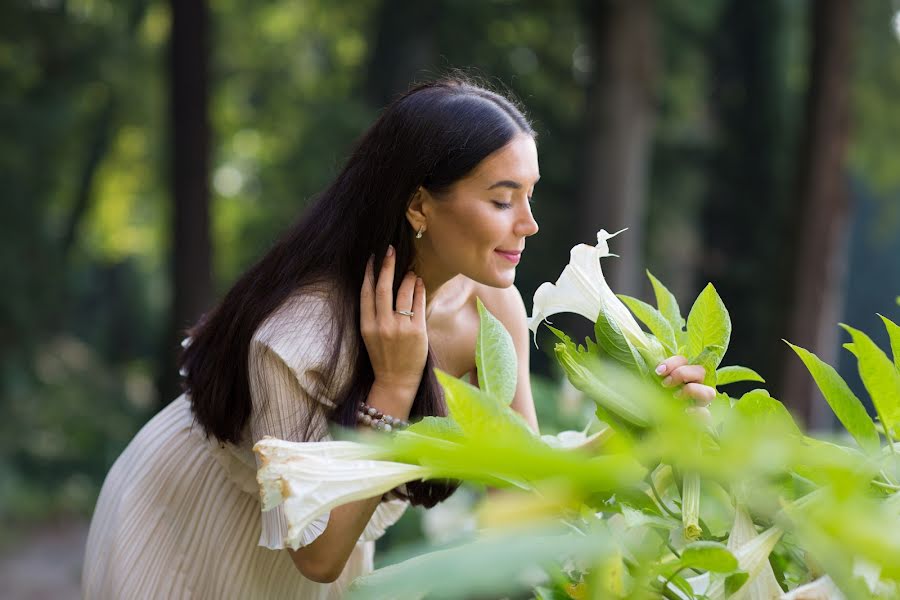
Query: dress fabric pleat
x=179 y=516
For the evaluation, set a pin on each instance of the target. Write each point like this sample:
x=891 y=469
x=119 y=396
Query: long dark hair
x=431 y=136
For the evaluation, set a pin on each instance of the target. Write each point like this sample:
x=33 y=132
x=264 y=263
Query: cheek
x=476 y=225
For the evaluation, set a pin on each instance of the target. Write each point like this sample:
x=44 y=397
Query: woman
x=433 y=203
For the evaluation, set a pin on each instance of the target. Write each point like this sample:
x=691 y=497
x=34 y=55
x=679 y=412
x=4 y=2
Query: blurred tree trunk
x=744 y=218
x=190 y=137
x=102 y=131
x=619 y=119
x=822 y=202
x=403 y=45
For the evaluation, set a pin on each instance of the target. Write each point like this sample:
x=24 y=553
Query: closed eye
x=508 y=205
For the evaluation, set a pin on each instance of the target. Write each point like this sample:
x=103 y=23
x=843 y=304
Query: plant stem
x=660 y=501
x=672 y=549
x=670 y=578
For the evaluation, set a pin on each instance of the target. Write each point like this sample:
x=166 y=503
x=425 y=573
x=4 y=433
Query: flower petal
x=310 y=479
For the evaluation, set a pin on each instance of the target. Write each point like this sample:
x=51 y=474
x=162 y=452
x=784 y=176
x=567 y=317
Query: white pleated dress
x=179 y=515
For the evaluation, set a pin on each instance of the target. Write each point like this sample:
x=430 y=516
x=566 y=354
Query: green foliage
x=848 y=408
x=631 y=531
x=734 y=374
x=707 y=556
x=654 y=320
x=708 y=327
x=894 y=334
x=881 y=378
x=491 y=566
x=614 y=343
x=495 y=357
x=668 y=307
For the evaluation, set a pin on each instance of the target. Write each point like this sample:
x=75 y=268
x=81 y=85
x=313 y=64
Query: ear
x=419 y=208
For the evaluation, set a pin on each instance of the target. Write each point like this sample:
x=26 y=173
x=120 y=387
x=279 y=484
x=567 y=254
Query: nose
x=527 y=226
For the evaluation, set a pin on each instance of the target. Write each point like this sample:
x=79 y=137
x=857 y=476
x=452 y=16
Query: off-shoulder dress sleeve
x=288 y=354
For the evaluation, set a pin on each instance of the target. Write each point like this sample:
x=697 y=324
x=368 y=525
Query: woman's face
x=478 y=228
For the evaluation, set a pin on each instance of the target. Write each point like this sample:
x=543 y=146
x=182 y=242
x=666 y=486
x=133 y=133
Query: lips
x=512 y=256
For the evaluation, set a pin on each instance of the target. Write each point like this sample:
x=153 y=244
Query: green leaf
x=478 y=413
x=611 y=339
x=880 y=376
x=495 y=357
x=735 y=581
x=709 y=556
x=766 y=411
x=736 y=373
x=709 y=359
x=848 y=408
x=668 y=306
x=492 y=565
x=560 y=334
x=894 y=333
x=654 y=320
x=708 y=324
x=849 y=347
x=444 y=428
x=582 y=374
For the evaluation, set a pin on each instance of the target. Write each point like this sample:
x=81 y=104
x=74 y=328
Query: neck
x=432 y=276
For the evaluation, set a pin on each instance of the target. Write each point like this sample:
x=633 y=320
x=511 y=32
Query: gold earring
x=421 y=231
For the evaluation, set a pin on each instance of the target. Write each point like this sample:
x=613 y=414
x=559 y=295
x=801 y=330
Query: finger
x=701 y=394
x=685 y=374
x=419 y=303
x=367 y=295
x=670 y=364
x=384 y=288
x=405 y=292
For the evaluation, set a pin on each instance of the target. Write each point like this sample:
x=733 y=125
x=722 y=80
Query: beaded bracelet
x=374 y=418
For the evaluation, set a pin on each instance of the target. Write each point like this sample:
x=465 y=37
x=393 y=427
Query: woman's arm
x=324 y=558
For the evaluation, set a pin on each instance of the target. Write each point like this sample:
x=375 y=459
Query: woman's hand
x=397 y=344
x=675 y=370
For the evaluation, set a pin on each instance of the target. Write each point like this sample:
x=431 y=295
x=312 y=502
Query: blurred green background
x=151 y=150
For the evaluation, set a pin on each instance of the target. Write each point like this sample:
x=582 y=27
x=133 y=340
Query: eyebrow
x=513 y=185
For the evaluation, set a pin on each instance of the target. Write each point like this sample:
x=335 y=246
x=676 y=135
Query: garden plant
x=658 y=497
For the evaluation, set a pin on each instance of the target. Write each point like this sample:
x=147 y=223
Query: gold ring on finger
x=405 y=313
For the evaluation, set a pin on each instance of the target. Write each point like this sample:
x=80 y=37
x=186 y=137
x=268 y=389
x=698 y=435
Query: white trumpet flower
x=762 y=583
x=582 y=289
x=311 y=478
x=752 y=550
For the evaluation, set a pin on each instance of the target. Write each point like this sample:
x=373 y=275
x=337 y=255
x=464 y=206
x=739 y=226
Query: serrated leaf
x=849 y=347
x=667 y=305
x=894 y=334
x=708 y=323
x=495 y=357
x=735 y=373
x=561 y=335
x=880 y=376
x=654 y=320
x=848 y=408
x=708 y=556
